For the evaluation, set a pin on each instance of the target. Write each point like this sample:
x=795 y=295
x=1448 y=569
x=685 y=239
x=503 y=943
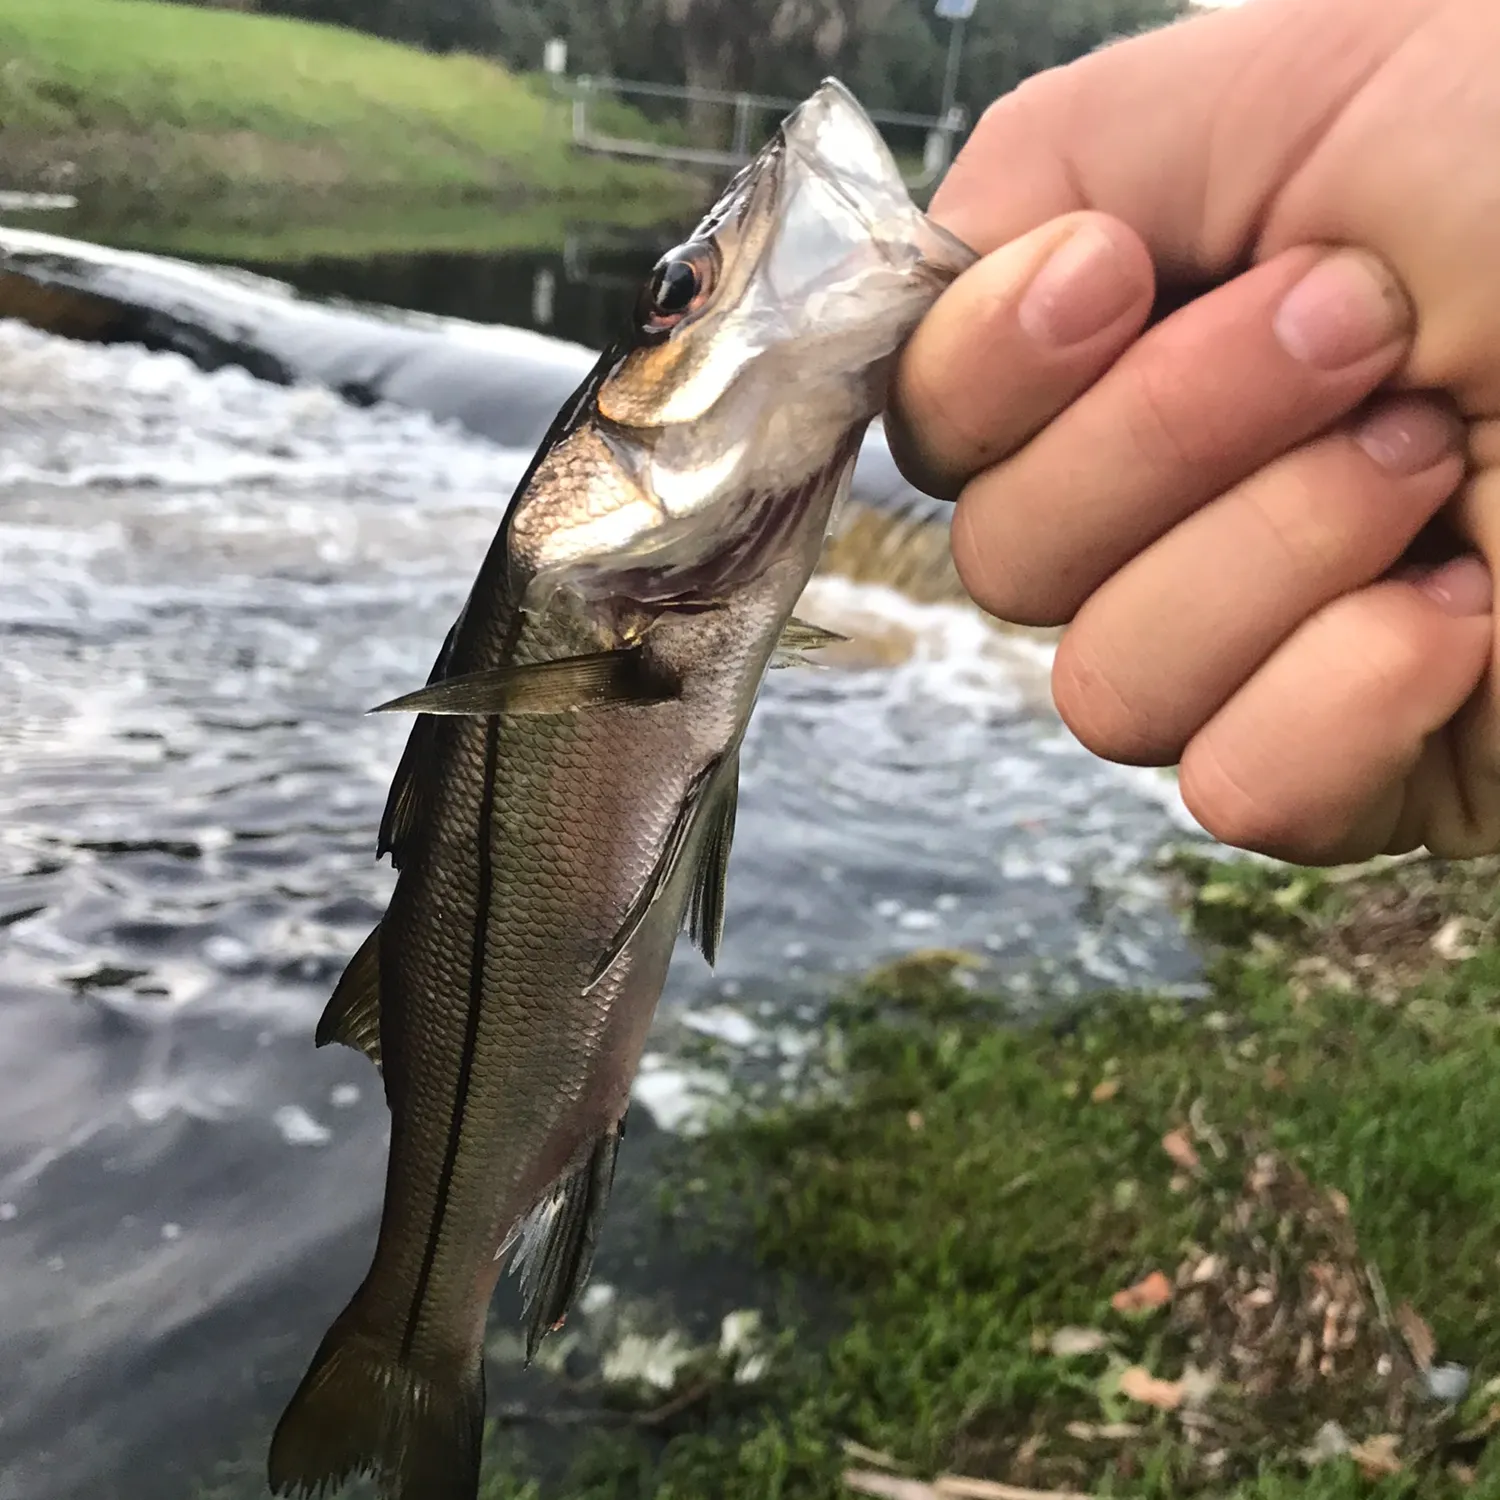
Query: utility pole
x=950 y=118
x=955 y=12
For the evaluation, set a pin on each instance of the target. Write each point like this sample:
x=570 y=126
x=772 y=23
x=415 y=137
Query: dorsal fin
x=660 y=876
x=352 y=1015
x=706 y=905
x=402 y=801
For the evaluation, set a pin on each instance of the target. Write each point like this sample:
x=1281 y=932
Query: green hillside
x=179 y=127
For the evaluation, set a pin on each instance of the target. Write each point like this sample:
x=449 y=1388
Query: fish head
x=760 y=347
x=815 y=258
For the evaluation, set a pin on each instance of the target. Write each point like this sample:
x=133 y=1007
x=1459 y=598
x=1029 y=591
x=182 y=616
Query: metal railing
x=937 y=132
x=15 y=201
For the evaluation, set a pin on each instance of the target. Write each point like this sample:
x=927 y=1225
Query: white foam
x=76 y=415
x=298 y=1128
x=730 y=1026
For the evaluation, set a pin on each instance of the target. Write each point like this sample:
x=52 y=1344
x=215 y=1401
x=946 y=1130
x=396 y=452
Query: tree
x=892 y=52
x=762 y=46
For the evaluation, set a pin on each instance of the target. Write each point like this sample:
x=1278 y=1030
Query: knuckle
x=972 y=553
x=987 y=558
x=1013 y=115
x=1377 y=646
x=996 y=119
x=1104 y=720
x=1231 y=811
x=1308 y=530
x=1173 y=420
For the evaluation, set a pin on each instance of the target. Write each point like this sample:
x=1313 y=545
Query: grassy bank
x=191 y=129
x=1156 y=1251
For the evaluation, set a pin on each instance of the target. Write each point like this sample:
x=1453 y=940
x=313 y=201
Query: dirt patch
x=1270 y=1342
x=1292 y=1325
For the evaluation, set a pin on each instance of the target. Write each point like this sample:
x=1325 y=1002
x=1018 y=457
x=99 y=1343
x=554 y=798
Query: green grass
x=186 y=127
x=947 y=1191
x=976 y=1187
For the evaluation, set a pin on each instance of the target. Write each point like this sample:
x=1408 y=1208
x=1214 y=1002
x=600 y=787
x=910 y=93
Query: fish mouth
x=829 y=151
x=827 y=177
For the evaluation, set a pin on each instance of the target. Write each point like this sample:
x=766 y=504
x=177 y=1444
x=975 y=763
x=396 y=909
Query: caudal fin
x=360 y=1411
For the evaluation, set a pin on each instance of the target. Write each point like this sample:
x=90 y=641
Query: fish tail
x=360 y=1410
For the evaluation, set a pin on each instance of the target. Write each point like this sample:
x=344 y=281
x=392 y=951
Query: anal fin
x=352 y=1015
x=557 y=1239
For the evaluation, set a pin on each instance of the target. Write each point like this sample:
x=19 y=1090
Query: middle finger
x=1197 y=404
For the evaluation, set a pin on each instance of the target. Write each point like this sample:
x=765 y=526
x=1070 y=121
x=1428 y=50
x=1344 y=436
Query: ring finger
x=1166 y=641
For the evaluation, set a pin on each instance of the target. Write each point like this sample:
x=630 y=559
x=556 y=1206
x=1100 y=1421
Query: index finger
x=1186 y=133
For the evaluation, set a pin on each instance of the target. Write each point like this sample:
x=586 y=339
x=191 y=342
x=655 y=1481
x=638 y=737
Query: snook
x=567 y=796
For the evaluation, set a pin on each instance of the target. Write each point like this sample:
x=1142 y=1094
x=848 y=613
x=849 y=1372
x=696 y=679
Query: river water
x=207 y=580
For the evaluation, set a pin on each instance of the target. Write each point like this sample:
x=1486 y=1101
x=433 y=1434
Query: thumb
x=1187 y=133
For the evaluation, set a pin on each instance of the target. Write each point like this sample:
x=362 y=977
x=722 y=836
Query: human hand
x=1217 y=504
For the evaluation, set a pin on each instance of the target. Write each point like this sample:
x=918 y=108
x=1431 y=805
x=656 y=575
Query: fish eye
x=679 y=285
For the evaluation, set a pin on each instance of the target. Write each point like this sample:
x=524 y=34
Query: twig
x=956 y=1487
x=888 y=1486
x=602 y=1416
x=876 y=1456
x=574 y=1416
x=1377 y=1291
x=678 y=1404
x=1343 y=874
x=948 y=1487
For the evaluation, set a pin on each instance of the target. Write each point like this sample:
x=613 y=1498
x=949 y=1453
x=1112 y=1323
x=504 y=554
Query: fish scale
x=568 y=792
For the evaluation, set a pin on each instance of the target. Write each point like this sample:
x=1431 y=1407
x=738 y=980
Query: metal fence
x=923 y=144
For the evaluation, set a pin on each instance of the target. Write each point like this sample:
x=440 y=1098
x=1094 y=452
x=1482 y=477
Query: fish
x=566 y=802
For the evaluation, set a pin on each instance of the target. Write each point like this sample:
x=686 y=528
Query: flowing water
x=206 y=581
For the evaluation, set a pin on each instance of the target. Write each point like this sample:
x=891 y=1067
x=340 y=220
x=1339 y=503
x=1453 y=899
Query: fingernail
x=1345 y=309
x=1462 y=587
x=1408 y=436
x=1080 y=291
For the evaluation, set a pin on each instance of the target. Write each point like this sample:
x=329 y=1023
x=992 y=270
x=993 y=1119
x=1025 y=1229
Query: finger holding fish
x=1051 y=312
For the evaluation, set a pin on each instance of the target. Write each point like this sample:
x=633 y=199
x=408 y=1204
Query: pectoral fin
x=403 y=803
x=798 y=637
x=352 y=1015
x=547 y=687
